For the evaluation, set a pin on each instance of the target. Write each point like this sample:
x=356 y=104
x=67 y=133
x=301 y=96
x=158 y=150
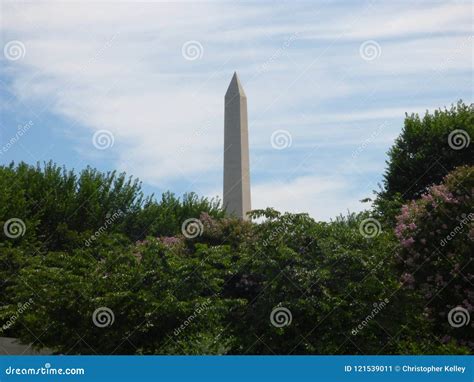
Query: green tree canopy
x=426 y=151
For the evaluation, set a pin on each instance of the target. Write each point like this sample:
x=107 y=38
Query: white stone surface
x=236 y=151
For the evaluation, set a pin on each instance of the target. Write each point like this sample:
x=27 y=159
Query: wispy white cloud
x=321 y=197
x=119 y=66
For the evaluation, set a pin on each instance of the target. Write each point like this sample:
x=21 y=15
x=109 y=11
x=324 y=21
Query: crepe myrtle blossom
x=435 y=235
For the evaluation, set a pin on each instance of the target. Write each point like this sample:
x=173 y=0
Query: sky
x=139 y=87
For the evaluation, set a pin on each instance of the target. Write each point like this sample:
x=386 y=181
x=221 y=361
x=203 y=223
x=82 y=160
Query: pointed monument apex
x=236 y=151
x=235 y=87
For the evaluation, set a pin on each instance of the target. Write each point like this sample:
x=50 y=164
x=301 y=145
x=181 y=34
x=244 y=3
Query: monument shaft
x=236 y=151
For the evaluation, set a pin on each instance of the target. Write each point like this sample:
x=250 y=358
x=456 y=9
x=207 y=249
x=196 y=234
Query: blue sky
x=334 y=78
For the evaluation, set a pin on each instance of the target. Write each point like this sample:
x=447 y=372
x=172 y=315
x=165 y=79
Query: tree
x=149 y=284
x=426 y=151
x=60 y=206
x=436 y=236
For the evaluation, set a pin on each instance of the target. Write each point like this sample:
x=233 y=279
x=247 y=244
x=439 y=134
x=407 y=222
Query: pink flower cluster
x=406 y=227
x=212 y=227
x=415 y=211
x=442 y=193
x=170 y=241
x=435 y=237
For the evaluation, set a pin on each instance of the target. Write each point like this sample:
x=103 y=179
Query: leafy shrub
x=63 y=208
x=426 y=151
x=436 y=236
x=145 y=294
x=285 y=285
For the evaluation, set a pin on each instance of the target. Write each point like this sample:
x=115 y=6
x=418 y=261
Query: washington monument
x=236 y=151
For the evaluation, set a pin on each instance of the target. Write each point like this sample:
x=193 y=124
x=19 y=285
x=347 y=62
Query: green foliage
x=84 y=279
x=214 y=294
x=423 y=154
x=165 y=218
x=150 y=292
x=63 y=208
x=436 y=235
x=64 y=211
x=56 y=204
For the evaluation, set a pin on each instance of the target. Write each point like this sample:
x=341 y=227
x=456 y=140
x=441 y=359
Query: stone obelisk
x=236 y=151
